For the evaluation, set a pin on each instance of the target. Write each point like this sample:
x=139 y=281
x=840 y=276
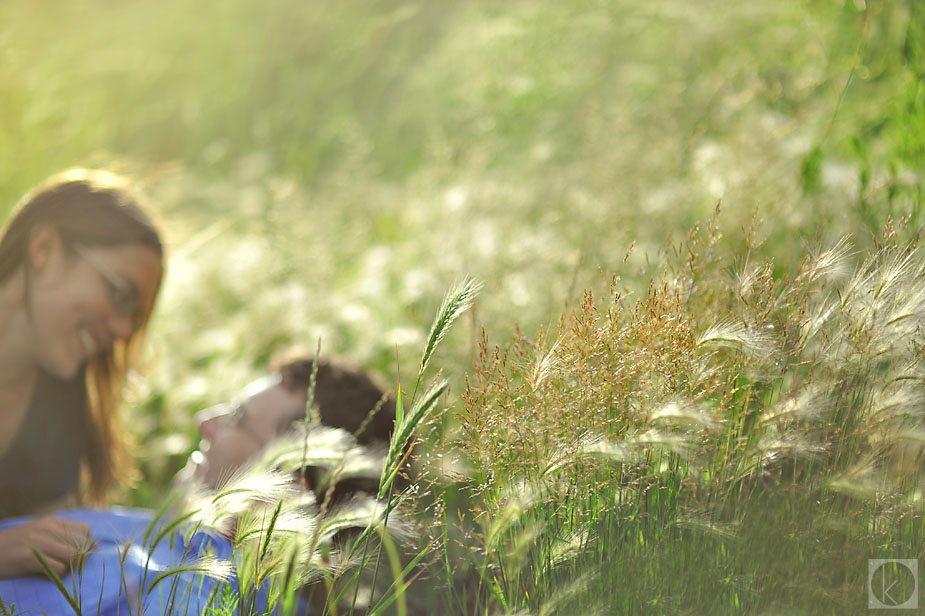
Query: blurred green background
x=327 y=170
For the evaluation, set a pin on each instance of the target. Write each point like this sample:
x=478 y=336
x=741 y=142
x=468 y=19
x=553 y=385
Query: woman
x=80 y=267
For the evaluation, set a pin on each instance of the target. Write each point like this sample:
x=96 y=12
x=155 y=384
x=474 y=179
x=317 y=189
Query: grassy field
x=691 y=382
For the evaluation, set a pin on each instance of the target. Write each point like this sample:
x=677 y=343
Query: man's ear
x=44 y=242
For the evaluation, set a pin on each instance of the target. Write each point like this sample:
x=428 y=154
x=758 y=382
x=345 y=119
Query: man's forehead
x=262 y=384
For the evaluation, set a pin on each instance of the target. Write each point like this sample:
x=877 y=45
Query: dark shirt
x=43 y=462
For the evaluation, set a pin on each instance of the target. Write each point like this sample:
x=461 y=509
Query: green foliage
x=697 y=435
x=910 y=125
x=728 y=418
x=811 y=171
x=226 y=604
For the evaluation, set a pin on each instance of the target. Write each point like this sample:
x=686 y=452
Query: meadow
x=691 y=381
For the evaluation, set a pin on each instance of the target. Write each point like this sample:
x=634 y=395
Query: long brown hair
x=89 y=208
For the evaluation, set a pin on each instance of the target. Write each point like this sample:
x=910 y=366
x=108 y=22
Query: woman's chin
x=66 y=367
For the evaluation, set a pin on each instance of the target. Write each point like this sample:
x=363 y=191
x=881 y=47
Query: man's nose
x=208 y=420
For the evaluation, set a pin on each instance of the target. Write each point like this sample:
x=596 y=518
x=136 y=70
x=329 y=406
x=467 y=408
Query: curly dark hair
x=345 y=398
x=349 y=399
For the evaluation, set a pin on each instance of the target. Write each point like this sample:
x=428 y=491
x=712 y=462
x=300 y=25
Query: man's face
x=232 y=434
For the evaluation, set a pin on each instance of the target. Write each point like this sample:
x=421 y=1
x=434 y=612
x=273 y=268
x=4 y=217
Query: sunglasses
x=122 y=294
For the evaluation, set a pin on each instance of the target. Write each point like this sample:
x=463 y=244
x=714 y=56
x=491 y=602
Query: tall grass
x=731 y=440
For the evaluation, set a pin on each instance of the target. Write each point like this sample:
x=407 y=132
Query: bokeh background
x=325 y=171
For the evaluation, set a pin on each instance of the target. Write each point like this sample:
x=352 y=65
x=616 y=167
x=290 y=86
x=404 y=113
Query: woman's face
x=84 y=301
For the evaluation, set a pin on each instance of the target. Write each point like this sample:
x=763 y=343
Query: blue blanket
x=120 y=574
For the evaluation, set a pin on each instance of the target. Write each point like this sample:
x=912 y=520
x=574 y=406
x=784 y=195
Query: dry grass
x=701 y=416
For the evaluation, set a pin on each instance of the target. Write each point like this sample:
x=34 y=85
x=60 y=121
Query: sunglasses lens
x=121 y=294
x=124 y=301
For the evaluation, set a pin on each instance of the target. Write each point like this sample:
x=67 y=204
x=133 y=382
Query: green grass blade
x=457 y=301
x=161 y=511
x=312 y=418
x=403 y=433
x=209 y=567
x=270 y=527
x=389 y=597
x=56 y=580
x=395 y=564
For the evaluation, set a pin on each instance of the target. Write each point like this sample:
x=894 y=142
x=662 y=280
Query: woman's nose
x=120 y=326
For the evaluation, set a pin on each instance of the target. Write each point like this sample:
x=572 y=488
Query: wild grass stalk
x=72 y=599
x=699 y=420
x=457 y=301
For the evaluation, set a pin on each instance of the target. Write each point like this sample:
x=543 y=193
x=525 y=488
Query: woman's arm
x=121 y=570
x=58 y=540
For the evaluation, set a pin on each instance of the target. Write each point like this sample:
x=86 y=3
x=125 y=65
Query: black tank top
x=43 y=462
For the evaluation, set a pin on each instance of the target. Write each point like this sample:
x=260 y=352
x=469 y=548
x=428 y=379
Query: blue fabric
x=101 y=585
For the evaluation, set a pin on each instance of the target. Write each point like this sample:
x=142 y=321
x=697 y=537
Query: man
x=272 y=407
x=269 y=421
